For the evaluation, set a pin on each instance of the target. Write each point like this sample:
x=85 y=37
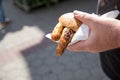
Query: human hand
x=104 y=33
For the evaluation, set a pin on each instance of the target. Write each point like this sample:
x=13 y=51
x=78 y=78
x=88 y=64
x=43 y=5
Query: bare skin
x=104 y=34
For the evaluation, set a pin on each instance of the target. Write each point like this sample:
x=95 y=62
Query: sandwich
x=64 y=31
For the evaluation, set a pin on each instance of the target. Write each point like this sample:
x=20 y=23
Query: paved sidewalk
x=25 y=54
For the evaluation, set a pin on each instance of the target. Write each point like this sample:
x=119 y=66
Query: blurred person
x=3 y=20
x=104 y=37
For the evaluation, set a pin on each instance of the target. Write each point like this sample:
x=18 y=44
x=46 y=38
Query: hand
x=104 y=33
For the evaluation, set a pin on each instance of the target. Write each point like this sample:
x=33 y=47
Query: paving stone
x=66 y=75
x=73 y=66
x=36 y=77
x=15 y=70
x=2 y=74
x=50 y=60
x=57 y=68
x=97 y=72
x=82 y=74
x=97 y=78
x=106 y=78
x=88 y=63
x=50 y=77
x=64 y=59
x=44 y=69
x=34 y=61
x=80 y=56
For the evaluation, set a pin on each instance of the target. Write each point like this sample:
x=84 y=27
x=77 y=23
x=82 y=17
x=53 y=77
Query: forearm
x=114 y=37
x=118 y=33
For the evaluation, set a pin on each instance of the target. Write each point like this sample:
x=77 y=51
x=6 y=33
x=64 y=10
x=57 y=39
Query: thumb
x=86 y=18
x=77 y=47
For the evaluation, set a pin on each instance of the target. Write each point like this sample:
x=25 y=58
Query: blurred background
x=25 y=53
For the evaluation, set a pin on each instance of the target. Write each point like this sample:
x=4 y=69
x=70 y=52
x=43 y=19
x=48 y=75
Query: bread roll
x=64 y=31
x=68 y=20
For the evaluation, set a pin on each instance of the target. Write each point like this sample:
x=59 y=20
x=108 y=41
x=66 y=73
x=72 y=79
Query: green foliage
x=28 y=5
x=36 y=2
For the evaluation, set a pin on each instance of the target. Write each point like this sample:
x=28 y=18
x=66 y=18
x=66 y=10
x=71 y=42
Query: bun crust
x=69 y=21
x=64 y=31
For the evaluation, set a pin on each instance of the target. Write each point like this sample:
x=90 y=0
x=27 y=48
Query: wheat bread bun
x=68 y=20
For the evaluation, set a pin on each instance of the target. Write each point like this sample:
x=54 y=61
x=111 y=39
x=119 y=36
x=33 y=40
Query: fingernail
x=75 y=12
x=78 y=13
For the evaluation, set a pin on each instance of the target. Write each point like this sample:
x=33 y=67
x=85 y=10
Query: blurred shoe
x=1 y=26
x=6 y=23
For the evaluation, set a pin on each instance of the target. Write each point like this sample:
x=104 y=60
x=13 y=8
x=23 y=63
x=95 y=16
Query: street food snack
x=64 y=31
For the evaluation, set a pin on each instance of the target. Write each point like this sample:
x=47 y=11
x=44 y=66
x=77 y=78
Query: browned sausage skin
x=65 y=39
x=64 y=30
x=57 y=31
